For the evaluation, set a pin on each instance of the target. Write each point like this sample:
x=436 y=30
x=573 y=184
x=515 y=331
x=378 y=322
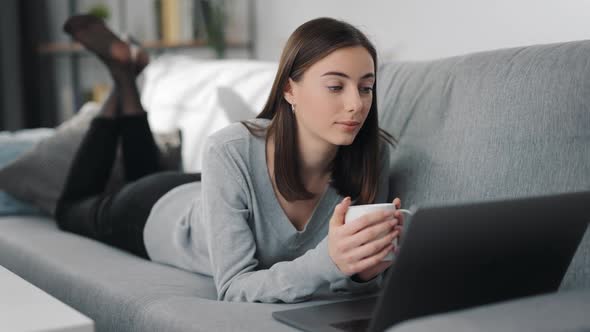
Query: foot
x=131 y=106
x=139 y=56
x=92 y=33
x=140 y=59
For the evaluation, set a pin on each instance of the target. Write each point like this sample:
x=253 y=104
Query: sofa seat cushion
x=121 y=292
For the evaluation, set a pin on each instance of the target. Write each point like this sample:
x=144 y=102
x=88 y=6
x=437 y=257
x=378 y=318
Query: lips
x=349 y=126
x=349 y=123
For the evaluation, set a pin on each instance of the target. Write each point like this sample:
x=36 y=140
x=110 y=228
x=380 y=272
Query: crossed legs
x=84 y=207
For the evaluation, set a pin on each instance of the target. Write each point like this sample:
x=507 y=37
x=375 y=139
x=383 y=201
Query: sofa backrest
x=490 y=125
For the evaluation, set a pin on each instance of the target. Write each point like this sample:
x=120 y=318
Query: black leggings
x=116 y=218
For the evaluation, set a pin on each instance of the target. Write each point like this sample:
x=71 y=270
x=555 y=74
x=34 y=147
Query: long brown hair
x=355 y=169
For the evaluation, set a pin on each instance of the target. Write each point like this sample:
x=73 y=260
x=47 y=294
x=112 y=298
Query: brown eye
x=366 y=90
x=335 y=88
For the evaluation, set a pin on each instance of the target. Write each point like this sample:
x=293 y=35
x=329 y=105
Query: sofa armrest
x=562 y=311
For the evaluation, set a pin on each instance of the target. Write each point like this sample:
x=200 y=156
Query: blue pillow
x=10 y=206
x=12 y=145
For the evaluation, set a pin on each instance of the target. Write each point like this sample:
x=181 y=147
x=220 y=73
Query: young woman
x=267 y=219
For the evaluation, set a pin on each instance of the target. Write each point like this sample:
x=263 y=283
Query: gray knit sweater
x=231 y=226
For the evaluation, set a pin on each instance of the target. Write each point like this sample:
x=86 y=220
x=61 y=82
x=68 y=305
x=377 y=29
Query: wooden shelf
x=73 y=48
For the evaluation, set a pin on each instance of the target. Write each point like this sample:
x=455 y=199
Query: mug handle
x=405 y=211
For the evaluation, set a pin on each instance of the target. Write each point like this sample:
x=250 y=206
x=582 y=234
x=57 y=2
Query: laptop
x=463 y=255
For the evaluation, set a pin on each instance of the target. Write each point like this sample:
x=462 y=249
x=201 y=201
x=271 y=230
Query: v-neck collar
x=285 y=229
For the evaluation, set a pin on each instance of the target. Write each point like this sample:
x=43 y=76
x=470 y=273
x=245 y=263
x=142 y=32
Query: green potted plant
x=215 y=20
x=100 y=10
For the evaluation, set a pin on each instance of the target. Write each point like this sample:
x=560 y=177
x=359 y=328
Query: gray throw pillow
x=38 y=176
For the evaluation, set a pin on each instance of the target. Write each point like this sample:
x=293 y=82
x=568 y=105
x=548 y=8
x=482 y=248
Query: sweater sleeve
x=348 y=285
x=232 y=249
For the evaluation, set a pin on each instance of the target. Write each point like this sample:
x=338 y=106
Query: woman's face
x=334 y=96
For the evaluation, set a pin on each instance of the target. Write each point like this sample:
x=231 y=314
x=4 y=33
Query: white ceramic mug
x=357 y=211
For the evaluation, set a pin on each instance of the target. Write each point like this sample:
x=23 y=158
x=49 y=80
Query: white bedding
x=202 y=96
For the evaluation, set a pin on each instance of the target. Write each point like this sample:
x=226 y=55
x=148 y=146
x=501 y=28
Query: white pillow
x=202 y=96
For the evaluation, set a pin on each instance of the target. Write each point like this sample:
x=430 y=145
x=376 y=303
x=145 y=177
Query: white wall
x=400 y=29
x=427 y=29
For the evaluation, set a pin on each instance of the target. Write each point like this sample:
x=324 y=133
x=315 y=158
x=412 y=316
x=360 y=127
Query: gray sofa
x=497 y=124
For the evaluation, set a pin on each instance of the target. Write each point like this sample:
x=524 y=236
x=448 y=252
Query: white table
x=24 y=307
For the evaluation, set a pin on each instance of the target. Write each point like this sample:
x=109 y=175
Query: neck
x=315 y=162
x=316 y=158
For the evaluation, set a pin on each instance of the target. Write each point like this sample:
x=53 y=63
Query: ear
x=288 y=91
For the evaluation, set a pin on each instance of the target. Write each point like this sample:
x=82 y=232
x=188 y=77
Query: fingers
x=361 y=245
x=373 y=260
x=382 y=266
x=372 y=248
x=399 y=237
x=373 y=271
x=399 y=216
x=340 y=212
x=372 y=233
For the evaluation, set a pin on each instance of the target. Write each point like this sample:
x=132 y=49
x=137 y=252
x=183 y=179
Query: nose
x=354 y=101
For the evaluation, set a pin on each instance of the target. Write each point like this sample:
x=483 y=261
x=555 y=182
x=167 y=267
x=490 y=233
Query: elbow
x=229 y=294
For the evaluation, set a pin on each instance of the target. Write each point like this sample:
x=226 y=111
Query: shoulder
x=234 y=134
x=233 y=154
x=236 y=147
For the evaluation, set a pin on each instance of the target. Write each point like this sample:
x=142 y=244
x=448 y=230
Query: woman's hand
x=359 y=247
x=372 y=272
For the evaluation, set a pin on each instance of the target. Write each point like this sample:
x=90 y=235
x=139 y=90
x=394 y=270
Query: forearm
x=292 y=281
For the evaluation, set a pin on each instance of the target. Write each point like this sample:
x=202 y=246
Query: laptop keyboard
x=357 y=325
